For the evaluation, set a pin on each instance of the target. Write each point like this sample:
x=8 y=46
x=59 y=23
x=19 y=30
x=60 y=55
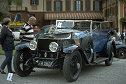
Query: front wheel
x=19 y=61
x=111 y=54
x=72 y=66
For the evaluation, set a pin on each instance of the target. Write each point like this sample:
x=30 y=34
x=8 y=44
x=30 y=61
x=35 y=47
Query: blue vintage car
x=69 y=46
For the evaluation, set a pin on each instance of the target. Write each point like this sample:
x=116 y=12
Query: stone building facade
x=48 y=11
x=115 y=10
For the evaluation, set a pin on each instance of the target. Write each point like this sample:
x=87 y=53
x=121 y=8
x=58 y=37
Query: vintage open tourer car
x=68 y=46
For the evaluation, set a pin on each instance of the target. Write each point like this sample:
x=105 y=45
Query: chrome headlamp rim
x=33 y=45
x=53 y=46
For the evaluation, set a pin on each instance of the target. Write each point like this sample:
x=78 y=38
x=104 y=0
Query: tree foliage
x=15 y=1
x=123 y=19
x=4 y=4
x=124 y=1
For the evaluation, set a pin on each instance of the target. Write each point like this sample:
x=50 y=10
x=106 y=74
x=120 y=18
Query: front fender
x=109 y=44
x=22 y=46
x=73 y=48
x=70 y=49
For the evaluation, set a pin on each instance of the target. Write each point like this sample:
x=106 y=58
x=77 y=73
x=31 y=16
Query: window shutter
x=48 y=5
x=94 y=5
x=61 y=6
x=37 y=2
x=81 y=5
x=68 y=5
x=100 y=5
x=30 y=2
x=54 y=5
x=75 y=5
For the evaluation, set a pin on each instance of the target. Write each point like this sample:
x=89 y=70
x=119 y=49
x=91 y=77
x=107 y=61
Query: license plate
x=46 y=63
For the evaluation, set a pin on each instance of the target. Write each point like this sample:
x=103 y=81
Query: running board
x=99 y=60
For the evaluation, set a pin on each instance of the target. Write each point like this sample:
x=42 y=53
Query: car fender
x=70 y=49
x=22 y=46
x=120 y=46
x=73 y=48
x=109 y=43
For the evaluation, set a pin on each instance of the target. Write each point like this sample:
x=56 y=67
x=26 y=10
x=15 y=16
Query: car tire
x=19 y=64
x=111 y=54
x=87 y=45
x=72 y=66
x=121 y=53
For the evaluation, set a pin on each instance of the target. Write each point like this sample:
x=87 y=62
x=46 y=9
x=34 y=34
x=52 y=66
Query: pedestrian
x=7 y=43
x=0 y=26
x=27 y=32
x=125 y=37
x=122 y=37
x=27 y=35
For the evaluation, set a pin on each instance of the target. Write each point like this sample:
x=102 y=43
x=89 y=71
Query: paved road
x=98 y=74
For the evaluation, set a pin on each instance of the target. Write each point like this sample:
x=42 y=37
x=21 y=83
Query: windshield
x=45 y=30
x=82 y=26
x=64 y=24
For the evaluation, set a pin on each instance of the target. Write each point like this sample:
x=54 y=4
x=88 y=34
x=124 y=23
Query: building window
x=58 y=5
x=68 y=5
x=96 y=6
x=9 y=2
x=78 y=4
x=34 y=2
x=87 y=5
x=48 y=5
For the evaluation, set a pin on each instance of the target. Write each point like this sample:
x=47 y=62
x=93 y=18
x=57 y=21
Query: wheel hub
x=122 y=54
x=78 y=65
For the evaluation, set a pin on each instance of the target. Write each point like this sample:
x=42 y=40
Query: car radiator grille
x=43 y=44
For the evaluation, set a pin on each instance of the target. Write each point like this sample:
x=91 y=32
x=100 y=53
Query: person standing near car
x=0 y=26
x=7 y=43
x=122 y=36
x=125 y=37
x=27 y=32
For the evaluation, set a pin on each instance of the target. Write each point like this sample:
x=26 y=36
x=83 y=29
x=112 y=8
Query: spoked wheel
x=89 y=51
x=72 y=66
x=121 y=53
x=109 y=61
x=20 y=66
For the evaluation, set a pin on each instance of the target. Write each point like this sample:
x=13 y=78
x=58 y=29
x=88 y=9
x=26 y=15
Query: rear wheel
x=111 y=54
x=121 y=53
x=72 y=66
x=19 y=61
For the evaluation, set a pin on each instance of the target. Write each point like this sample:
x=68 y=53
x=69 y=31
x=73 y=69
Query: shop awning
x=75 y=15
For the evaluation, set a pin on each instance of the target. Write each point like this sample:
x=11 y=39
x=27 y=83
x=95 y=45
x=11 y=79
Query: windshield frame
x=63 y=21
x=74 y=22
